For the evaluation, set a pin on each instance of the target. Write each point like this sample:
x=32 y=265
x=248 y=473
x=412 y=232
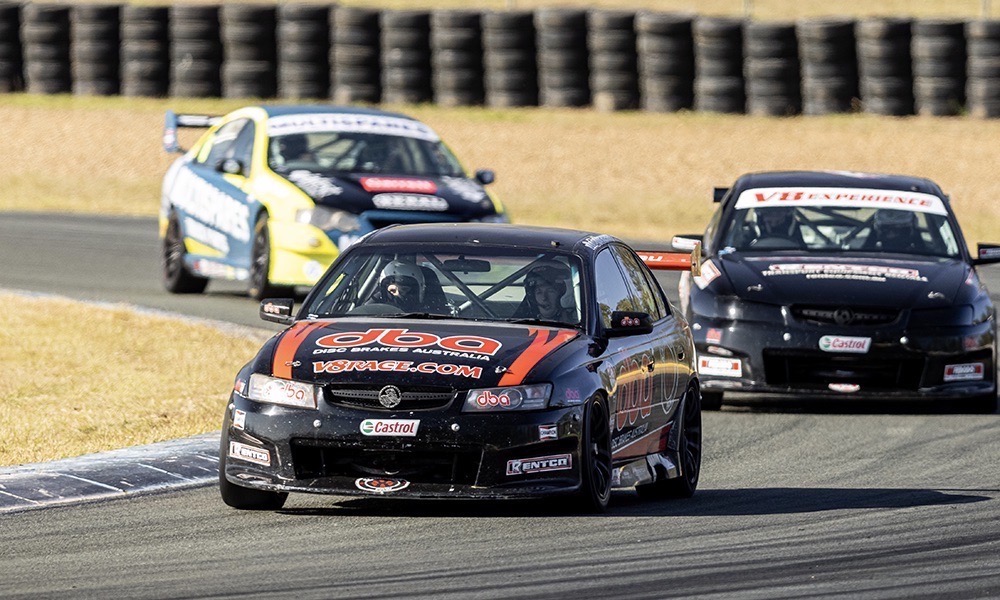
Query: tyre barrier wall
x=560 y=57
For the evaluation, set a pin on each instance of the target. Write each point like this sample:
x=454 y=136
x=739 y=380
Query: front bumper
x=900 y=364
x=452 y=455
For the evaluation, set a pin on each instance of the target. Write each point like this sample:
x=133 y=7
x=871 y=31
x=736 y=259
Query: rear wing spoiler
x=673 y=261
x=173 y=121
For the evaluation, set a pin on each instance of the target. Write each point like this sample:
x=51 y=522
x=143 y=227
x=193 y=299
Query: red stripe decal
x=539 y=348
x=289 y=344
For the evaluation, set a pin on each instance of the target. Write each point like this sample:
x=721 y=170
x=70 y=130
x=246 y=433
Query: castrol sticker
x=390 y=427
x=841 y=197
x=837 y=343
x=720 y=367
x=966 y=372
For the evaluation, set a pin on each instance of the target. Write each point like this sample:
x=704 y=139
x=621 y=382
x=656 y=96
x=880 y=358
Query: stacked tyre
x=718 y=65
x=195 y=51
x=771 y=69
x=614 y=67
x=250 y=65
x=665 y=46
x=95 y=47
x=145 y=51
x=829 y=66
x=355 y=55
x=884 y=66
x=457 y=57
x=11 y=78
x=938 y=48
x=406 y=56
x=983 y=83
x=45 y=34
x=509 y=61
x=563 y=71
x=303 y=37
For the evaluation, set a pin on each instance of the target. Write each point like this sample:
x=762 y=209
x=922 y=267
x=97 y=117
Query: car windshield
x=358 y=152
x=841 y=229
x=489 y=284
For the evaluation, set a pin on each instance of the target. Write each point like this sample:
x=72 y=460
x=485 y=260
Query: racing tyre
x=689 y=451
x=711 y=400
x=595 y=459
x=983 y=405
x=260 y=265
x=176 y=278
x=245 y=498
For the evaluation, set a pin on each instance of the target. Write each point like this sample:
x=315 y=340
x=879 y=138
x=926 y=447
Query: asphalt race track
x=795 y=500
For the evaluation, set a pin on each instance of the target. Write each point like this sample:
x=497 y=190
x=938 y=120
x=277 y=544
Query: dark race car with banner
x=271 y=195
x=471 y=361
x=841 y=286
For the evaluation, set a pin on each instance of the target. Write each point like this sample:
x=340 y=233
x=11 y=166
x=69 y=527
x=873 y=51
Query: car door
x=630 y=357
x=213 y=208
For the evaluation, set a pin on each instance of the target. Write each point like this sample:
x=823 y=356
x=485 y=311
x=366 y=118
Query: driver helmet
x=551 y=274
x=404 y=274
x=776 y=221
x=893 y=225
x=293 y=146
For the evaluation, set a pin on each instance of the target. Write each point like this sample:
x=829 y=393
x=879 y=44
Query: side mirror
x=988 y=254
x=485 y=176
x=231 y=166
x=278 y=310
x=624 y=323
x=719 y=193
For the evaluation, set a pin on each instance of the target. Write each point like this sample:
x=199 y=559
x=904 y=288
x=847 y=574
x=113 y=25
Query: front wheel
x=260 y=264
x=595 y=457
x=176 y=277
x=711 y=400
x=244 y=498
x=689 y=451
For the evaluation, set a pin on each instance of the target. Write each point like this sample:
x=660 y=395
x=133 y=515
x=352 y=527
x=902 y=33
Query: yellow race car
x=272 y=194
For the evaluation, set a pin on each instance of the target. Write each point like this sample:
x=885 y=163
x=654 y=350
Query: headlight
x=328 y=218
x=500 y=399
x=282 y=391
x=952 y=316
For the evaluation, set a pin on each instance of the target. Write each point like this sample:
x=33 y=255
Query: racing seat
x=434 y=298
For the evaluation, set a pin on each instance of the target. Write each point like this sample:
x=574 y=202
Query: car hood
x=453 y=354
x=870 y=280
x=454 y=196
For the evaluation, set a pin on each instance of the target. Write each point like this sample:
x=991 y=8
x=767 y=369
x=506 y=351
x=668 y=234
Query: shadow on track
x=705 y=503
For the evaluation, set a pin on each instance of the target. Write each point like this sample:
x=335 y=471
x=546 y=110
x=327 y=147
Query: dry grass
x=80 y=379
x=640 y=175
x=758 y=9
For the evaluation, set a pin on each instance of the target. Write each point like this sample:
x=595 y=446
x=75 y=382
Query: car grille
x=845 y=315
x=817 y=372
x=367 y=397
x=458 y=466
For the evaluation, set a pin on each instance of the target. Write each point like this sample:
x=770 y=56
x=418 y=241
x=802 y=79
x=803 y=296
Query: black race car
x=846 y=285
x=470 y=361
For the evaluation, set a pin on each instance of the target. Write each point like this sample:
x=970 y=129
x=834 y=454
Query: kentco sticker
x=259 y=456
x=521 y=466
x=837 y=343
x=966 y=372
x=845 y=197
